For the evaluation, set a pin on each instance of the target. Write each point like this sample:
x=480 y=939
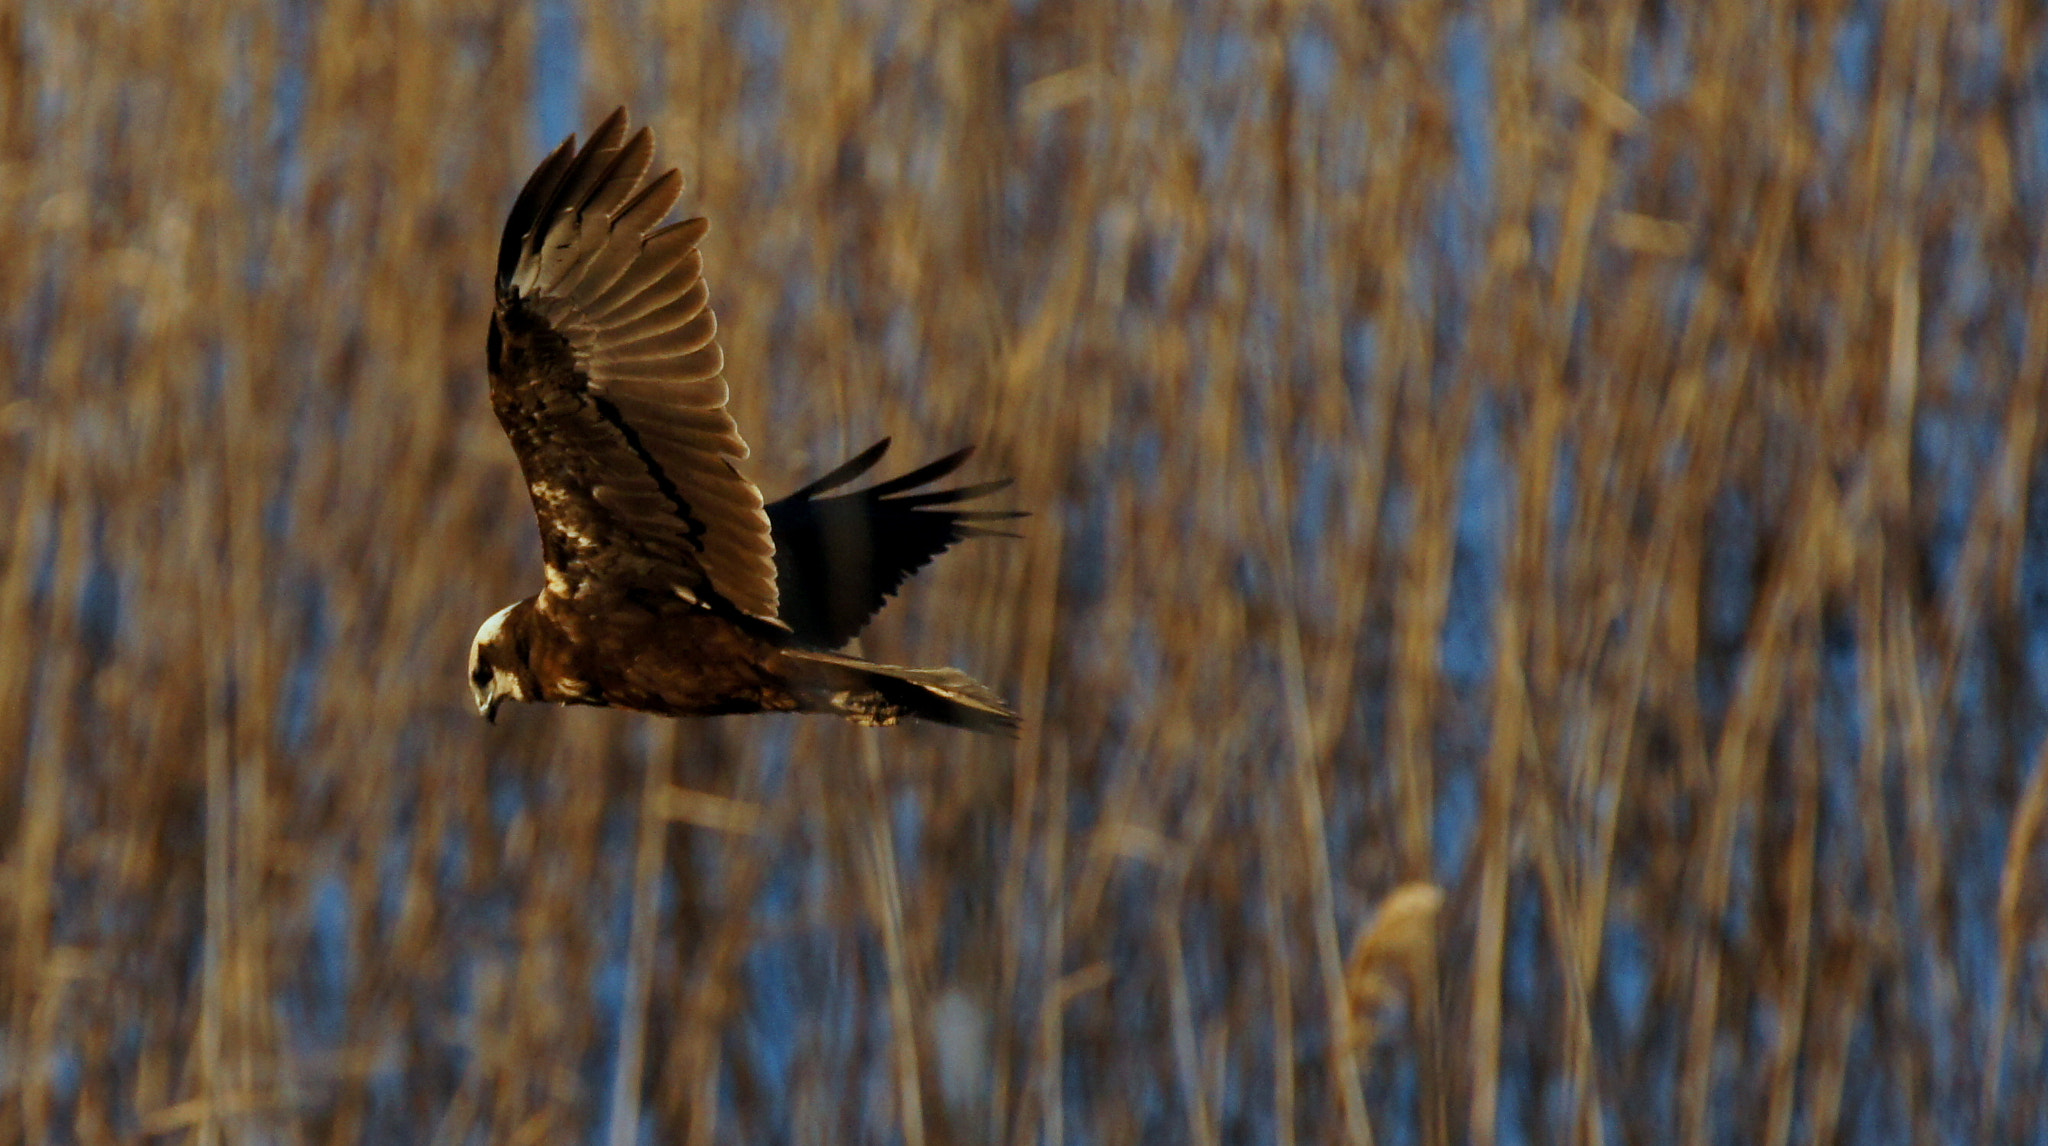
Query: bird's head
x=497 y=665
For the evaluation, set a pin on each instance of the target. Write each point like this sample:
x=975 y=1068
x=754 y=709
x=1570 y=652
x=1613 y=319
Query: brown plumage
x=670 y=588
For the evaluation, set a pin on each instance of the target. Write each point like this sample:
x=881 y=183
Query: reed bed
x=1550 y=489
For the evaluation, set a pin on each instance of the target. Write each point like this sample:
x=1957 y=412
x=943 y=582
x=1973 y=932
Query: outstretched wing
x=838 y=559
x=606 y=375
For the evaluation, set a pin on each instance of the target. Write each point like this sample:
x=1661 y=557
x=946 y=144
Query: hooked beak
x=487 y=700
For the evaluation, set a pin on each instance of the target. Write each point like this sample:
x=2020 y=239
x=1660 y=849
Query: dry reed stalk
x=885 y=903
x=623 y=1116
x=2029 y=822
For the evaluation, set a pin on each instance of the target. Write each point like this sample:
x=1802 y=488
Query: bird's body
x=670 y=588
x=663 y=657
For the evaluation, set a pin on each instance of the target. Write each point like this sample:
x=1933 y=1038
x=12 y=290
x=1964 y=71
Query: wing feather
x=564 y=265
x=680 y=342
x=667 y=250
x=681 y=286
x=839 y=558
x=607 y=376
x=552 y=243
x=673 y=330
x=526 y=208
x=687 y=398
x=603 y=268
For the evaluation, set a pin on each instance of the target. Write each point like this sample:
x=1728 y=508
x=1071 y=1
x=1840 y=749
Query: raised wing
x=607 y=376
x=839 y=559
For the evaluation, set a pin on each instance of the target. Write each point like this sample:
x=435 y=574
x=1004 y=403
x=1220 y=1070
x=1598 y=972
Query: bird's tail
x=871 y=693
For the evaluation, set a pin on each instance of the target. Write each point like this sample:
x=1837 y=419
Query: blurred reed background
x=1583 y=456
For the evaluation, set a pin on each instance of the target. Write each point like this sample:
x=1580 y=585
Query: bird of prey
x=670 y=588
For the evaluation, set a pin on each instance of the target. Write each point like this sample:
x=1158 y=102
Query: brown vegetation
x=1581 y=456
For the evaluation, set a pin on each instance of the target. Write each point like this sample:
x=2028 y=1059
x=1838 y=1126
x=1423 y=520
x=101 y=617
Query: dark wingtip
x=852 y=468
x=604 y=142
x=956 y=495
x=928 y=472
x=841 y=557
x=539 y=187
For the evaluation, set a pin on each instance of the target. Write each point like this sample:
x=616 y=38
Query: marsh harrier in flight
x=670 y=588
